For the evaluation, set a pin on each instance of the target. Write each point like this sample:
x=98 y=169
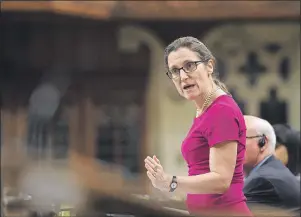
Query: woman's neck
x=215 y=94
x=201 y=100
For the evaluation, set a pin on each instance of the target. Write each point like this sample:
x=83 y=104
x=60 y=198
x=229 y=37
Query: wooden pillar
x=14 y=127
x=89 y=127
x=86 y=128
x=83 y=127
x=7 y=123
x=73 y=130
x=14 y=133
x=21 y=127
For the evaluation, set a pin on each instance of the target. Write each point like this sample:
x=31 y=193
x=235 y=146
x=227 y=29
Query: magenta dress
x=222 y=121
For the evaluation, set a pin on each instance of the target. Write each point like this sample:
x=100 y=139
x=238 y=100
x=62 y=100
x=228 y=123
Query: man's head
x=261 y=140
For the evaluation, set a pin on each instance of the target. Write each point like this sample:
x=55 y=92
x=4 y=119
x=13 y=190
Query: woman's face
x=281 y=154
x=195 y=83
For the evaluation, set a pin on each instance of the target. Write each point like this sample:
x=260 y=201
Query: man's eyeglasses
x=257 y=136
x=188 y=67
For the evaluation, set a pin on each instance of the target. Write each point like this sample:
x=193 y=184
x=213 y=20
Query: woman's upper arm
x=223 y=138
x=222 y=160
x=224 y=126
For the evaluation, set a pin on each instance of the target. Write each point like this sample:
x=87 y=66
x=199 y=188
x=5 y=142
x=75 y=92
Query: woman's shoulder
x=224 y=108
x=224 y=103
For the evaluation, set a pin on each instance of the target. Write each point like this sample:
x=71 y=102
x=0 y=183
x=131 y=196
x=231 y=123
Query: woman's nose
x=183 y=74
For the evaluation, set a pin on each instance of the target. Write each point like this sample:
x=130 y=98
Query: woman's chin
x=190 y=96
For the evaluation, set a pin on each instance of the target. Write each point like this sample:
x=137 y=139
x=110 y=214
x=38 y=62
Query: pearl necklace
x=206 y=103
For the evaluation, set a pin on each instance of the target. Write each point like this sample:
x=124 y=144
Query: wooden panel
x=93 y=9
x=208 y=9
x=154 y=10
x=14 y=128
x=82 y=126
x=25 y=6
x=73 y=129
x=89 y=127
x=21 y=125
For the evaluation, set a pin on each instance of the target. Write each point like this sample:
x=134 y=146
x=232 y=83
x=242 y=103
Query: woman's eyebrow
x=183 y=63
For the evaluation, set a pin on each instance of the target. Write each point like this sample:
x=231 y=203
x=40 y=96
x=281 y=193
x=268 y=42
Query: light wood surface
x=164 y=10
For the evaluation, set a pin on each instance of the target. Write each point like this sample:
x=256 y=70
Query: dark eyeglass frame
x=196 y=63
x=257 y=136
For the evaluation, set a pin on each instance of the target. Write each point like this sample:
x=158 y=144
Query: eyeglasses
x=257 y=136
x=188 y=67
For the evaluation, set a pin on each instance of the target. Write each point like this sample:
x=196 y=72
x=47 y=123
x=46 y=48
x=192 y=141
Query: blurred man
x=288 y=147
x=268 y=181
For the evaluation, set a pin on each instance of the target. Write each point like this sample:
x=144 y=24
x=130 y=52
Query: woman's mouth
x=188 y=87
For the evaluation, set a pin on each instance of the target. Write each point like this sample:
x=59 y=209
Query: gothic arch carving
x=271 y=43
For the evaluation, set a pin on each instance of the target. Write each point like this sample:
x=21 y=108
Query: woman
x=214 y=148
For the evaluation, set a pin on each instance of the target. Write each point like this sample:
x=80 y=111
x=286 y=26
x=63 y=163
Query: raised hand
x=156 y=174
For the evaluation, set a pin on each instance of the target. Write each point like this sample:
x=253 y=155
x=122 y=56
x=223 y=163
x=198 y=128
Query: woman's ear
x=210 y=66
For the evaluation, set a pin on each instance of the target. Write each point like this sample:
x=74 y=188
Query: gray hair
x=263 y=127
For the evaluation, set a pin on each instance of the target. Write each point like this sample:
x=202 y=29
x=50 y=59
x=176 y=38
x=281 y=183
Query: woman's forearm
x=209 y=183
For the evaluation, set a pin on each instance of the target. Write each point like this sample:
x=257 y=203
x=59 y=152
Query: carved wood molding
x=163 y=10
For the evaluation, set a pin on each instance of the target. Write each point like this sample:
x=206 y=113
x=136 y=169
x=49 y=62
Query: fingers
x=151 y=176
x=154 y=167
x=156 y=159
x=152 y=163
x=150 y=169
x=155 y=172
x=158 y=175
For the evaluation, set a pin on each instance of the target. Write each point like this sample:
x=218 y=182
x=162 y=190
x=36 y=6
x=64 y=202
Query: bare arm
x=222 y=161
x=222 y=137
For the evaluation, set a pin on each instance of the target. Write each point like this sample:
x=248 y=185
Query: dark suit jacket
x=274 y=185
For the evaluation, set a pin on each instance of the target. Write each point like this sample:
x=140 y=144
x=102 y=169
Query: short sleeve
x=223 y=126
